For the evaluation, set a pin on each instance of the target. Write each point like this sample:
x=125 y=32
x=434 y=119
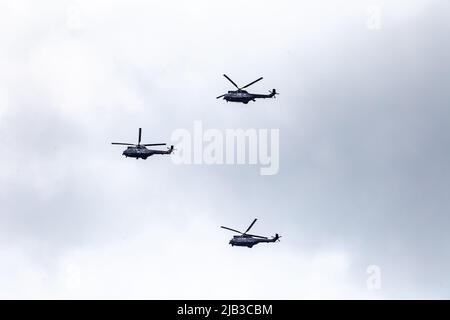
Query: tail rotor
x=171 y=149
x=273 y=93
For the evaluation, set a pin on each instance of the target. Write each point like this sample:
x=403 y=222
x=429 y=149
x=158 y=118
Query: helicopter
x=243 y=96
x=140 y=151
x=249 y=240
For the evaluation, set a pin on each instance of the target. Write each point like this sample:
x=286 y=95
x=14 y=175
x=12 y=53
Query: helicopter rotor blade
x=153 y=144
x=252 y=83
x=220 y=96
x=231 y=81
x=231 y=229
x=140 y=133
x=123 y=144
x=248 y=229
x=255 y=236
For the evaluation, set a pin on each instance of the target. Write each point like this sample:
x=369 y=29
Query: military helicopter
x=249 y=240
x=243 y=96
x=140 y=151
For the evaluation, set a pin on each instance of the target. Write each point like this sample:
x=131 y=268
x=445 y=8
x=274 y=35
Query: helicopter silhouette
x=249 y=240
x=140 y=151
x=243 y=96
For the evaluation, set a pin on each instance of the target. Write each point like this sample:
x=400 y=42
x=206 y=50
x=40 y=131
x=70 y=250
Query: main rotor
x=139 y=142
x=239 y=88
x=245 y=234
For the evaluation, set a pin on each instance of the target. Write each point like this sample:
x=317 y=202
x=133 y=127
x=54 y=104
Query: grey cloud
x=364 y=163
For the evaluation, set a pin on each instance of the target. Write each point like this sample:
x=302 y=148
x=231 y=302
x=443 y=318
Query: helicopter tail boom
x=272 y=94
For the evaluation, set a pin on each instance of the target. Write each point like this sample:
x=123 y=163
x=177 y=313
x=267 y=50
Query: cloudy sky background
x=364 y=149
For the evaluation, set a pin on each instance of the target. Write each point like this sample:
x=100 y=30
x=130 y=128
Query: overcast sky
x=364 y=178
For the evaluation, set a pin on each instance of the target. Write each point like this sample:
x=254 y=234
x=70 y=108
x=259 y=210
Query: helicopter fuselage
x=141 y=152
x=244 y=96
x=249 y=241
